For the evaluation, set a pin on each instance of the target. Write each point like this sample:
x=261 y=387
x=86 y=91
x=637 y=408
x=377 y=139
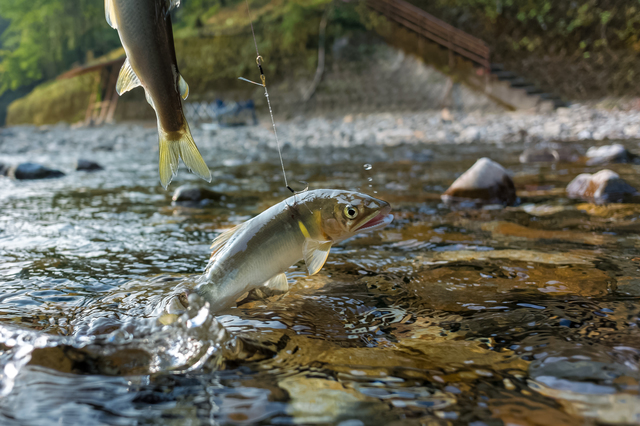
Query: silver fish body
x=305 y=226
x=144 y=27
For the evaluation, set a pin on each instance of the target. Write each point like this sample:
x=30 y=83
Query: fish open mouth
x=379 y=221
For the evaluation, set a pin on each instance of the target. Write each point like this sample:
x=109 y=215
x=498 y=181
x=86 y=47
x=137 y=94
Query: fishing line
x=266 y=95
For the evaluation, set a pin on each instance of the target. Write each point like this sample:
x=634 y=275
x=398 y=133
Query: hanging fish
x=144 y=27
x=304 y=226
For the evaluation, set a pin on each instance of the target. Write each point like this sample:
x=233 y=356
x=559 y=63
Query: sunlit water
x=521 y=315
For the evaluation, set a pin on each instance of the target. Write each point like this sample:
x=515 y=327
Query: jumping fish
x=144 y=27
x=304 y=226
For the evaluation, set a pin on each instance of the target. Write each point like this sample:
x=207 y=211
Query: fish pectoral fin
x=315 y=254
x=278 y=283
x=184 y=88
x=127 y=79
x=110 y=14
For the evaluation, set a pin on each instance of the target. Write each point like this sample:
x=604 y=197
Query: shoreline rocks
x=486 y=182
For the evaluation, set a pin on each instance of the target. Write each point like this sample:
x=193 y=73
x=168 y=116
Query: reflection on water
x=522 y=315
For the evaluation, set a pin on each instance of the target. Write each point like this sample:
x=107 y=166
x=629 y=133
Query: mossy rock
x=54 y=101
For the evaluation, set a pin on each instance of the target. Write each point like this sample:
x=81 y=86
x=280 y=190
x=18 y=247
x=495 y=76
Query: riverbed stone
x=603 y=187
x=486 y=182
x=30 y=171
x=88 y=166
x=190 y=195
x=607 y=154
x=543 y=155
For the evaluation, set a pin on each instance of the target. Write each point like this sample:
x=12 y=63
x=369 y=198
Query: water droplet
x=368 y=167
x=370 y=179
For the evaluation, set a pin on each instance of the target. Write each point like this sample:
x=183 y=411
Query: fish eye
x=350 y=212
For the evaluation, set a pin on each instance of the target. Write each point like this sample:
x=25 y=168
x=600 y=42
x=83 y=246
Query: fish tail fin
x=174 y=148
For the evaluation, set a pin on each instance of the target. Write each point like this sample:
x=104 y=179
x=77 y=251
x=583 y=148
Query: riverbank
x=515 y=129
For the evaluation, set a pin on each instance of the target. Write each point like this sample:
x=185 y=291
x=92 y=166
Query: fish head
x=349 y=213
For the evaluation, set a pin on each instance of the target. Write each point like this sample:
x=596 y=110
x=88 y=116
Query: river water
x=519 y=315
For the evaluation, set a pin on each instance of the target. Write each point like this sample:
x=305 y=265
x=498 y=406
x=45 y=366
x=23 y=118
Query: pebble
x=26 y=171
x=88 y=166
x=486 y=182
x=196 y=195
x=601 y=188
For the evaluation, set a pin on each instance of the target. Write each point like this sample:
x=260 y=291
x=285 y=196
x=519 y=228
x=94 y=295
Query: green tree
x=45 y=37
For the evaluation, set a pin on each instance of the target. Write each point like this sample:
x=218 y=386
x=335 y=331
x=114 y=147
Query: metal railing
x=434 y=29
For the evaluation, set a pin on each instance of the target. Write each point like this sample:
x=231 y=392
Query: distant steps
x=519 y=82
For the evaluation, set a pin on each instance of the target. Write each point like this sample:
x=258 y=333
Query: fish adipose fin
x=315 y=254
x=127 y=79
x=110 y=14
x=278 y=283
x=184 y=88
x=180 y=145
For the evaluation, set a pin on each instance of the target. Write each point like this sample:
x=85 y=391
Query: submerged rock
x=196 y=195
x=26 y=171
x=486 y=182
x=549 y=155
x=606 y=154
x=544 y=155
x=602 y=187
x=4 y=169
x=88 y=166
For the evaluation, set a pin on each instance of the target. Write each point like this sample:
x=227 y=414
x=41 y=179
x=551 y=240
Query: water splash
x=138 y=346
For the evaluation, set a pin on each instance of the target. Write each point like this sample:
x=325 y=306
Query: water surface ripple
x=519 y=315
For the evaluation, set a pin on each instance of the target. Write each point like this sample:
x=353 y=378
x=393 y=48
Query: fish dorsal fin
x=278 y=283
x=315 y=254
x=184 y=88
x=110 y=14
x=127 y=79
x=221 y=240
x=149 y=99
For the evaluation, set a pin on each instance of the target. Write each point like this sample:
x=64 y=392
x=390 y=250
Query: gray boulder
x=27 y=171
x=486 y=182
x=196 y=195
x=601 y=188
x=608 y=154
x=88 y=166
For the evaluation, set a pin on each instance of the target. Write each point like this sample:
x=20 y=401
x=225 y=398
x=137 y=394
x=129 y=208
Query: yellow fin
x=127 y=79
x=278 y=283
x=184 y=147
x=110 y=14
x=184 y=88
x=315 y=254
